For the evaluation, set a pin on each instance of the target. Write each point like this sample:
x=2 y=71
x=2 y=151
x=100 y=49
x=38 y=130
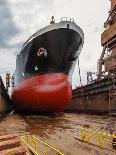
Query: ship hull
x=42 y=78
x=44 y=93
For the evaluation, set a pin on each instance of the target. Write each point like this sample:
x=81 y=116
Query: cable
x=80 y=78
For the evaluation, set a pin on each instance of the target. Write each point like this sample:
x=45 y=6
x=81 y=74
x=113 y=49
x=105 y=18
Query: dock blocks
x=10 y=145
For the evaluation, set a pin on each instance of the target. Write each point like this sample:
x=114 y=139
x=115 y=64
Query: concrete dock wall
x=5 y=101
x=94 y=97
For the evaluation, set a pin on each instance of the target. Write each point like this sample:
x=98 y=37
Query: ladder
x=112 y=99
x=112 y=94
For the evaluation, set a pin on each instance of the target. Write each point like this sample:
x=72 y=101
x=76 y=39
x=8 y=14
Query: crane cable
x=80 y=78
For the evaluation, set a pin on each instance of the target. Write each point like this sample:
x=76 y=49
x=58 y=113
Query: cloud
x=20 y=19
x=97 y=29
x=2 y=2
x=8 y=28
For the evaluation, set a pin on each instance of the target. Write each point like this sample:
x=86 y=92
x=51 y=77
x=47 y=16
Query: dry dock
x=62 y=131
x=74 y=133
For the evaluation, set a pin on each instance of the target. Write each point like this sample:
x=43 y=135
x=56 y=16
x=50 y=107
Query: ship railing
x=36 y=146
x=101 y=139
x=67 y=19
x=62 y=19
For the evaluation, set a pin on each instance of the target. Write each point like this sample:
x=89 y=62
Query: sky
x=19 y=19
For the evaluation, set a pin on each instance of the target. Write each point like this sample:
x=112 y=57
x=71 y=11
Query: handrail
x=33 y=143
x=48 y=146
x=67 y=19
x=101 y=138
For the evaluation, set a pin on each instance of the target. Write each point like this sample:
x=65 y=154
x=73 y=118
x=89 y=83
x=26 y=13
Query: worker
x=40 y=60
x=42 y=52
x=52 y=20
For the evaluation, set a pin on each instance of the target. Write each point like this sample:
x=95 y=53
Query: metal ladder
x=112 y=100
x=112 y=94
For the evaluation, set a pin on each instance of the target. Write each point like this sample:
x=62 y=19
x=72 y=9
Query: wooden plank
x=7 y=137
x=9 y=143
x=17 y=150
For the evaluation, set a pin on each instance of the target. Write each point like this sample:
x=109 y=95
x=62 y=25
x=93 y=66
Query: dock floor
x=62 y=131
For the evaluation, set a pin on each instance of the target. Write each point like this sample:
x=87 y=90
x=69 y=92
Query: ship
x=44 y=67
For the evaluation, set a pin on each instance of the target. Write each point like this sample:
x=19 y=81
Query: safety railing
x=37 y=146
x=67 y=19
x=100 y=138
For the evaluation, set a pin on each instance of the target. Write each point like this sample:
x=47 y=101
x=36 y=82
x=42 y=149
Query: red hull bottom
x=43 y=93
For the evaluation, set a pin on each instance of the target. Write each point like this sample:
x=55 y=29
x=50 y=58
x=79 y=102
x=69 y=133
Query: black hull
x=62 y=46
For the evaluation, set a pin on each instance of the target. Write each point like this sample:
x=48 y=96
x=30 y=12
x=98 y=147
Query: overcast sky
x=21 y=18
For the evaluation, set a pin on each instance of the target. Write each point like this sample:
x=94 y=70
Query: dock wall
x=5 y=101
x=93 y=98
